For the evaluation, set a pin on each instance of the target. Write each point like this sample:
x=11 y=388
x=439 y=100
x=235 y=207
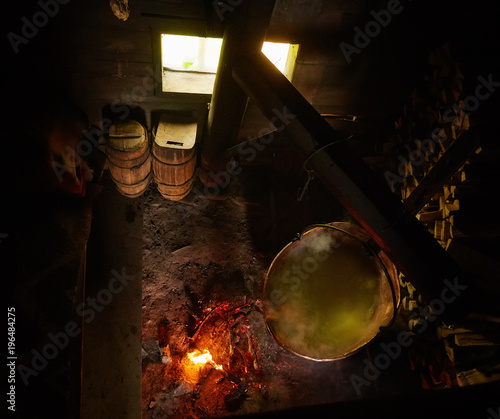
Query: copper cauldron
x=327 y=293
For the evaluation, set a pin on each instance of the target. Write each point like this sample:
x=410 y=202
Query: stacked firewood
x=461 y=215
x=432 y=119
x=474 y=353
x=449 y=355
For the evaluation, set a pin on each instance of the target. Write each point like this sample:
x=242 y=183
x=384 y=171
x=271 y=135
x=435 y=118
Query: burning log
x=226 y=331
x=195 y=364
x=203 y=358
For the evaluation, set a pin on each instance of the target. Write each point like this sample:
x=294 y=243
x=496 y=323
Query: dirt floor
x=204 y=263
x=204 y=266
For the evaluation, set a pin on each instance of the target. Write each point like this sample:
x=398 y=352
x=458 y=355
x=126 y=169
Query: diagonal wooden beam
x=448 y=164
x=369 y=200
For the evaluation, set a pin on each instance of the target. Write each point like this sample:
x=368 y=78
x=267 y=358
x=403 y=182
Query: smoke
x=325 y=296
x=318 y=244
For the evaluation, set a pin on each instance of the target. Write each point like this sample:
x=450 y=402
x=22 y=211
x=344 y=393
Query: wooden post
x=244 y=34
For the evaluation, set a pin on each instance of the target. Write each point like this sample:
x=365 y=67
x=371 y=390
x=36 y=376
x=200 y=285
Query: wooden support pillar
x=369 y=200
x=244 y=34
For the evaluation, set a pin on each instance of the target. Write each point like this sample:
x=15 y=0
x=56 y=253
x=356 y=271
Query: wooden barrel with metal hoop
x=174 y=156
x=129 y=157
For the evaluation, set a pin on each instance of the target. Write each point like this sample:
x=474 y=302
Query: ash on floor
x=204 y=264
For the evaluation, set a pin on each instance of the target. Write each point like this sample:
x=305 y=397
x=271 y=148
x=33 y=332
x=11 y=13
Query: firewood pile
x=461 y=215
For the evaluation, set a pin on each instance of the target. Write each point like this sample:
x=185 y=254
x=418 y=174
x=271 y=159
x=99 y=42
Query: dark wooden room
x=251 y=208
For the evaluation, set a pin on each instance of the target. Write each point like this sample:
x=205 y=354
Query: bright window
x=190 y=63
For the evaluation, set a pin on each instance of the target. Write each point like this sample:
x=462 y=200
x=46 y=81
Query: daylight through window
x=189 y=63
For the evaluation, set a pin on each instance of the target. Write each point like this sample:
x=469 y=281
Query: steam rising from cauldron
x=327 y=295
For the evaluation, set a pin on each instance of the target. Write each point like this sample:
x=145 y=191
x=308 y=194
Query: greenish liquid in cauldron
x=330 y=311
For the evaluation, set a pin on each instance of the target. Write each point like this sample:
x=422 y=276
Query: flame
x=203 y=358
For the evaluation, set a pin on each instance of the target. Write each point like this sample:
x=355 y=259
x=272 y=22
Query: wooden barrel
x=174 y=156
x=129 y=157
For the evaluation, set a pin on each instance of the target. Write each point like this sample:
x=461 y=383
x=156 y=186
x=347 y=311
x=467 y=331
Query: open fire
x=197 y=357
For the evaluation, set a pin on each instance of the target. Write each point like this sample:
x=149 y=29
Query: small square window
x=189 y=63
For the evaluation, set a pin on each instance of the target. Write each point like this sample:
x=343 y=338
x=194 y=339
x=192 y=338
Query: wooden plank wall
x=109 y=63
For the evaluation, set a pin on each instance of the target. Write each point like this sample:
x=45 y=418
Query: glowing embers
x=227 y=333
x=202 y=359
x=197 y=364
x=198 y=358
